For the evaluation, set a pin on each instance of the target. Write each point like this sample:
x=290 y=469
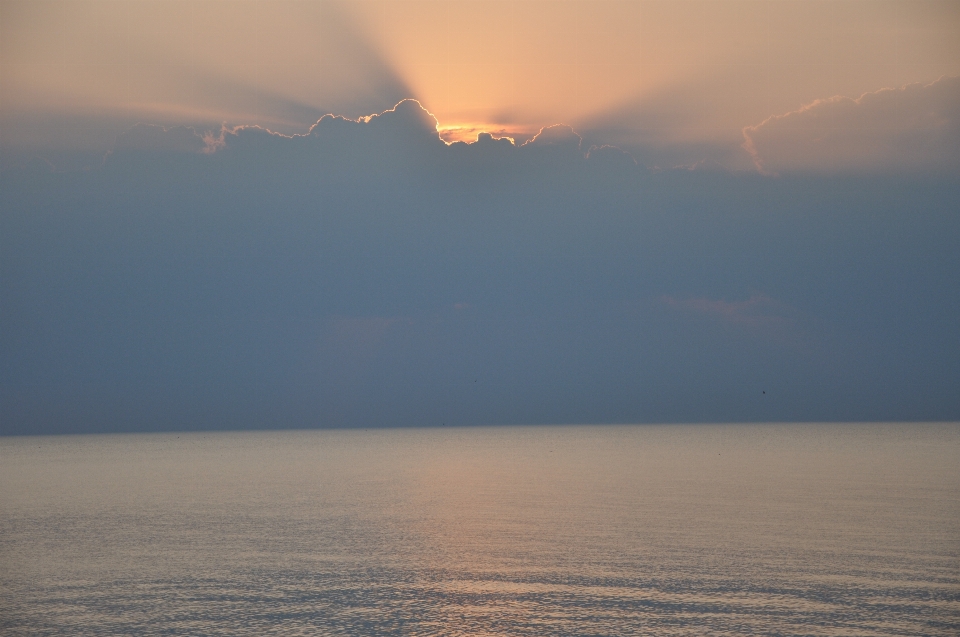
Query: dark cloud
x=366 y=273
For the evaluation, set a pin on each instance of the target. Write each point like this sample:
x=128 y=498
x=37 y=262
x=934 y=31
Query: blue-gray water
x=652 y=530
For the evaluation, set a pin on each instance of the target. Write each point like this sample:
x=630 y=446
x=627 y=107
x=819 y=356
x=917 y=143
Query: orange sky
x=685 y=73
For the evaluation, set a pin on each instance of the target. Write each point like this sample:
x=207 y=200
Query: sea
x=727 y=529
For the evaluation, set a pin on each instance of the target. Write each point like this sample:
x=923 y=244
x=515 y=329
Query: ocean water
x=630 y=530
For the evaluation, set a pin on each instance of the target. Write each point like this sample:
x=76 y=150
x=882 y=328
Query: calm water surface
x=632 y=530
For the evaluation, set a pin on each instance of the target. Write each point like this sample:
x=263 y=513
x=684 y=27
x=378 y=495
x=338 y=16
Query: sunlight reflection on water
x=720 y=529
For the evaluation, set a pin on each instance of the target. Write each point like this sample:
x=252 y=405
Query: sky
x=676 y=82
x=305 y=214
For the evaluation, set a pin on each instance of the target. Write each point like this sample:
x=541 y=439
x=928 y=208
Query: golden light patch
x=468 y=133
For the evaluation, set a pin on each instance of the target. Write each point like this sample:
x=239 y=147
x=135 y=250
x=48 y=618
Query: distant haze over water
x=575 y=530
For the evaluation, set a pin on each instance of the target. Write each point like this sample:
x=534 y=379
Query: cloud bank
x=366 y=273
x=912 y=129
x=407 y=133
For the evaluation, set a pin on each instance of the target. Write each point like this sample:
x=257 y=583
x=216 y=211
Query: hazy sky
x=711 y=211
x=675 y=81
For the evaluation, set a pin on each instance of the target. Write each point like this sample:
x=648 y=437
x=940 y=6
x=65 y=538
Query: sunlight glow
x=468 y=132
x=677 y=81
